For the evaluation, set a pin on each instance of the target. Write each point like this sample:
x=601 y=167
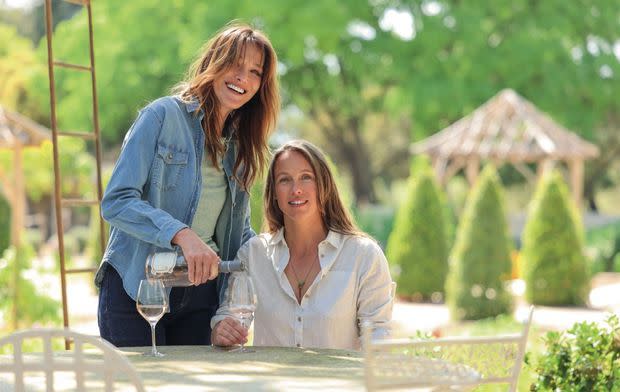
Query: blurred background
x=367 y=80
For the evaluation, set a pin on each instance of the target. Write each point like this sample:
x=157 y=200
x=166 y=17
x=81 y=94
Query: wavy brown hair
x=252 y=123
x=334 y=215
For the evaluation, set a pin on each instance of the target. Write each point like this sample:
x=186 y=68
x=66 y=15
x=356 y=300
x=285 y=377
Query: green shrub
x=418 y=242
x=554 y=266
x=256 y=205
x=480 y=260
x=602 y=246
x=80 y=235
x=584 y=358
x=375 y=219
x=93 y=248
x=5 y=223
x=23 y=292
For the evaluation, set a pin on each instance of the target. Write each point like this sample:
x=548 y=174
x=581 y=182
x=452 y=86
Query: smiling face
x=296 y=189
x=237 y=85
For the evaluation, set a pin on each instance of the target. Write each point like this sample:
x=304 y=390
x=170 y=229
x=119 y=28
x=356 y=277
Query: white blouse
x=353 y=286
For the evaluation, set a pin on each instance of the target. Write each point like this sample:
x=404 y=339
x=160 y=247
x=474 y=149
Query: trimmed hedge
x=554 y=264
x=418 y=243
x=480 y=261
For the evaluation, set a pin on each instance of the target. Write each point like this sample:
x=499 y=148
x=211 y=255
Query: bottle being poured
x=171 y=268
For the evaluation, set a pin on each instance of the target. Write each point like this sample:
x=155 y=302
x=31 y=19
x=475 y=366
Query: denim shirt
x=155 y=187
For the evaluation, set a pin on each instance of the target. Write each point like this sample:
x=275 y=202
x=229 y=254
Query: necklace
x=300 y=283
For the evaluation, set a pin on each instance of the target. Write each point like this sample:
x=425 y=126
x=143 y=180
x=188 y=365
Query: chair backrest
x=448 y=362
x=101 y=363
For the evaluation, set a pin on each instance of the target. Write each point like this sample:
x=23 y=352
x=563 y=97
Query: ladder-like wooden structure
x=60 y=201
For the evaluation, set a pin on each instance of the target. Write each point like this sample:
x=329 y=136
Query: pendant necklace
x=300 y=283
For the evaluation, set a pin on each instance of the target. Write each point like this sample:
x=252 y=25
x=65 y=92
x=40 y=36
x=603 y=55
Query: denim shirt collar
x=192 y=106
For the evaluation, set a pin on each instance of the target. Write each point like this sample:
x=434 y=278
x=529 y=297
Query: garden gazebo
x=17 y=132
x=507 y=129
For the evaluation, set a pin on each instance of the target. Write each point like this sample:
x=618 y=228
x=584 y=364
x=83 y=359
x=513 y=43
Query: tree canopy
x=364 y=78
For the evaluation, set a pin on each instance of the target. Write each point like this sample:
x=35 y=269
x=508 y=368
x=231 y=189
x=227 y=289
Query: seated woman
x=317 y=276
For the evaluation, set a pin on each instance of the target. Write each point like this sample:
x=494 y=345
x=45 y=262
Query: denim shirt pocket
x=167 y=166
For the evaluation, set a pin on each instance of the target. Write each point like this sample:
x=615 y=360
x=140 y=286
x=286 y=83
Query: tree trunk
x=358 y=161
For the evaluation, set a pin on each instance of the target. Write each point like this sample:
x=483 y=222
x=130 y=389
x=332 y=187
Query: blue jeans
x=187 y=323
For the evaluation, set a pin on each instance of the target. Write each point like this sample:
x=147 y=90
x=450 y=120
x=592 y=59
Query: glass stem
x=243 y=324
x=154 y=350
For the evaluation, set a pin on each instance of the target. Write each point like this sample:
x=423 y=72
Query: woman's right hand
x=202 y=261
x=229 y=332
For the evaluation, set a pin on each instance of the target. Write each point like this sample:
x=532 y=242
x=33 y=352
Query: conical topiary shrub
x=418 y=242
x=480 y=260
x=554 y=266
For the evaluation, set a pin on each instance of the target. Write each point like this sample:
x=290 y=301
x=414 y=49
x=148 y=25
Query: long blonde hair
x=253 y=122
x=334 y=215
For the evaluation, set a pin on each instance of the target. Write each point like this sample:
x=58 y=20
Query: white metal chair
x=444 y=364
x=103 y=364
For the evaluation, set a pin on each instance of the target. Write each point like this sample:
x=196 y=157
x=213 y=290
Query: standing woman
x=182 y=178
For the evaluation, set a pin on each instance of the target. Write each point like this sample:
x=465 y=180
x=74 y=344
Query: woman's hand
x=229 y=332
x=202 y=261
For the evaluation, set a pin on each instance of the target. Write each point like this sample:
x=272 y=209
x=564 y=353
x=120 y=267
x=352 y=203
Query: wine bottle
x=171 y=268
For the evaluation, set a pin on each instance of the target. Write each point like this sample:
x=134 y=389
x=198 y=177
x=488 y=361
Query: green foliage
x=5 y=223
x=553 y=257
x=344 y=189
x=584 y=358
x=480 y=260
x=418 y=243
x=135 y=62
x=352 y=87
x=375 y=220
x=76 y=167
x=21 y=291
x=603 y=247
x=256 y=205
x=17 y=62
x=94 y=250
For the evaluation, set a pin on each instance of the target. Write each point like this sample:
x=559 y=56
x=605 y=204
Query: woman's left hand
x=229 y=332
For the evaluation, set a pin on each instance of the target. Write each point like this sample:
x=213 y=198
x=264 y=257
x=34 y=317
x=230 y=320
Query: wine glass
x=152 y=303
x=242 y=300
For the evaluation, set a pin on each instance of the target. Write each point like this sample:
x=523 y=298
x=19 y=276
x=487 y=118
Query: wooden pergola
x=17 y=132
x=507 y=129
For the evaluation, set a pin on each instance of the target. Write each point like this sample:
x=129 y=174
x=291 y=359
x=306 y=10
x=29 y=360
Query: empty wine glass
x=152 y=302
x=242 y=300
